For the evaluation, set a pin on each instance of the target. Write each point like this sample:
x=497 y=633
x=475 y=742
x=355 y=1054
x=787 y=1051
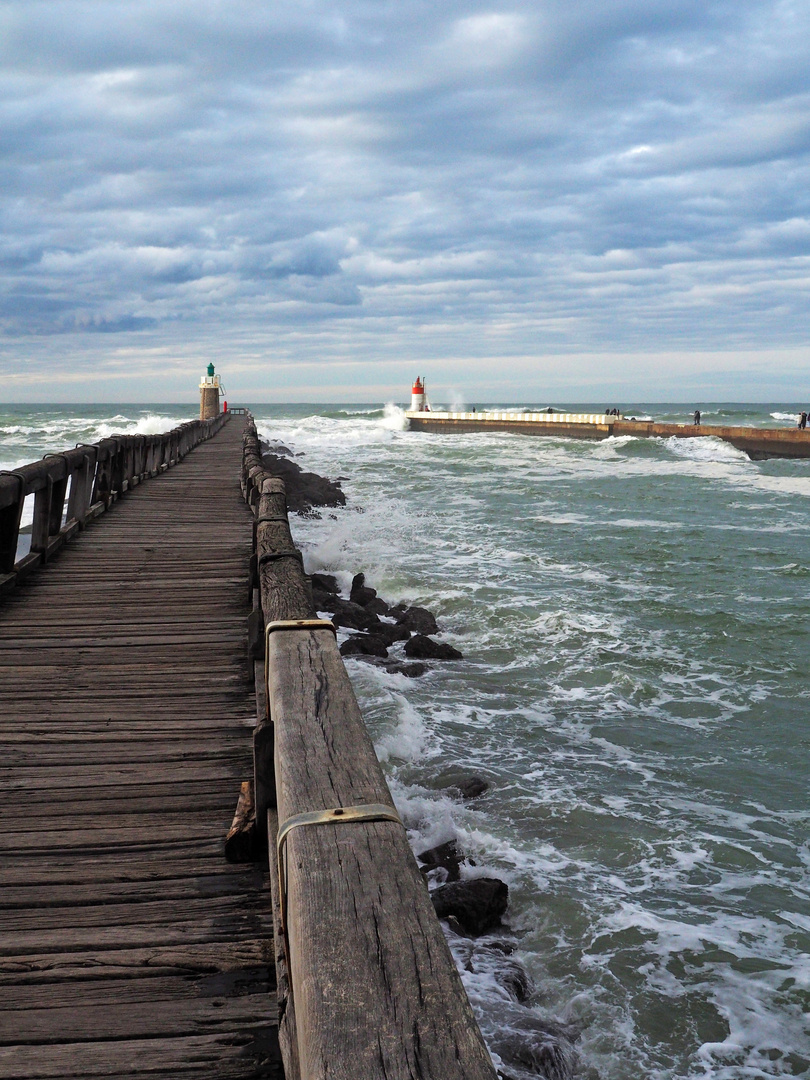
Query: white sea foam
x=794 y=417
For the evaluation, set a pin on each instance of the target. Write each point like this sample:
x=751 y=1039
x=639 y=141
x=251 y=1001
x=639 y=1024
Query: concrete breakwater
x=757 y=443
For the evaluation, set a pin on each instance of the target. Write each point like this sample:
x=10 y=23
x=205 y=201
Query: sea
x=634 y=618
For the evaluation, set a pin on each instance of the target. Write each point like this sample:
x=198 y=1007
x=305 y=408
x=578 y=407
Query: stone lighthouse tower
x=209 y=394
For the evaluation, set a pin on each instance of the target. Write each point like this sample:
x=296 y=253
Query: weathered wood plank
x=134 y=964
x=99 y=992
x=224 y=1056
x=136 y=1019
x=126 y=711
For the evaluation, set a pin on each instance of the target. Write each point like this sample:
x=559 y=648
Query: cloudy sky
x=550 y=200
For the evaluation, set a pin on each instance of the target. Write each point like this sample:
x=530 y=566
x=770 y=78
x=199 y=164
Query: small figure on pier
x=803 y=421
x=697 y=417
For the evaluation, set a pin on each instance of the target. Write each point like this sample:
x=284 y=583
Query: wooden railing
x=73 y=487
x=367 y=987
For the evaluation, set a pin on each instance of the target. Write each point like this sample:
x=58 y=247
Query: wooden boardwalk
x=128 y=946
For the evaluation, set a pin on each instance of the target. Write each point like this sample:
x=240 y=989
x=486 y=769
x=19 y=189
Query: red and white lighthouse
x=418 y=395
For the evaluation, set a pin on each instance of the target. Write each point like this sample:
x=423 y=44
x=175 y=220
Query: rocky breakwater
x=381 y=627
x=401 y=639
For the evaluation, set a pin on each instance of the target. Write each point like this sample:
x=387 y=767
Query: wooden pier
x=169 y=654
x=129 y=946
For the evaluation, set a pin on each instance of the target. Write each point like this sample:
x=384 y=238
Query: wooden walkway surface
x=128 y=946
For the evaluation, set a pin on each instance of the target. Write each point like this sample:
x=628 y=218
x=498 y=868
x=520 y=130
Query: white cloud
x=401 y=182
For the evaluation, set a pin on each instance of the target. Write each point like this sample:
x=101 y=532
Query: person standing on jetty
x=697 y=417
x=803 y=421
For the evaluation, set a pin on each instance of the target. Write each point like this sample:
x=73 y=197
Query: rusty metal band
x=338 y=815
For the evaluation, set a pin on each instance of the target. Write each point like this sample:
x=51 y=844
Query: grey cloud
x=613 y=176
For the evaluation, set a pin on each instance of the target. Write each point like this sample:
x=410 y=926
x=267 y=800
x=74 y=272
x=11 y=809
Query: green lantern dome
x=210 y=369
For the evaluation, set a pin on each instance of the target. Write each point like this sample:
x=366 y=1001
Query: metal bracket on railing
x=336 y=816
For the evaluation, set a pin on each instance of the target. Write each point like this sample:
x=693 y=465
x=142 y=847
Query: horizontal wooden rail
x=73 y=487
x=367 y=987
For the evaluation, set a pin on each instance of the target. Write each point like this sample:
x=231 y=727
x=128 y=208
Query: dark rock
x=367 y=597
x=413 y=671
x=418 y=619
x=390 y=634
x=363 y=645
x=352 y=615
x=541 y=1047
x=477 y=904
x=500 y=945
x=472 y=787
x=397 y=610
x=421 y=647
x=515 y=979
x=304 y=489
x=325 y=583
x=446 y=856
x=378 y=606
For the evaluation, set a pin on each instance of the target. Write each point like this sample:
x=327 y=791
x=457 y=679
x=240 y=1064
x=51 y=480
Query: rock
x=367 y=597
x=418 y=619
x=352 y=615
x=363 y=645
x=515 y=979
x=472 y=787
x=478 y=904
x=390 y=634
x=446 y=856
x=325 y=583
x=413 y=671
x=421 y=647
x=539 y=1046
x=397 y=610
x=378 y=606
x=304 y=489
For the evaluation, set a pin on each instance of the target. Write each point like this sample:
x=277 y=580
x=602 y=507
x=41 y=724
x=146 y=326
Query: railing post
x=10 y=516
x=42 y=515
x=80 y=488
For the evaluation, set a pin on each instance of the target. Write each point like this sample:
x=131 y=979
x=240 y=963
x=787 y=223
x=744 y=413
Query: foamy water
x=634 y=621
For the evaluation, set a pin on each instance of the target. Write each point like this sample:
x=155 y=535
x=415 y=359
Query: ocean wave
x=706 y=448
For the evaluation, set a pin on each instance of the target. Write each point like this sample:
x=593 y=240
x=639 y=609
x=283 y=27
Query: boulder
x=418 y=619
x=421 y=647
x=363 y=645
x=515 y=980
x=412 y=671
x=477 y=904
x=324 y=601
x=304 y=489
x=377 y=605
x=446 y=856
x=472 y=787
x=325 y=583
x=352 y=615
x=390 y=634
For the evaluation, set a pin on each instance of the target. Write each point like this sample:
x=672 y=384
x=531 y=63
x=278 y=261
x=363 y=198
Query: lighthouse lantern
x=210 y=386
x=418 y=395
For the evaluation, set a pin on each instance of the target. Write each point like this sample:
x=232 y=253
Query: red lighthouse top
x=417 y=386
